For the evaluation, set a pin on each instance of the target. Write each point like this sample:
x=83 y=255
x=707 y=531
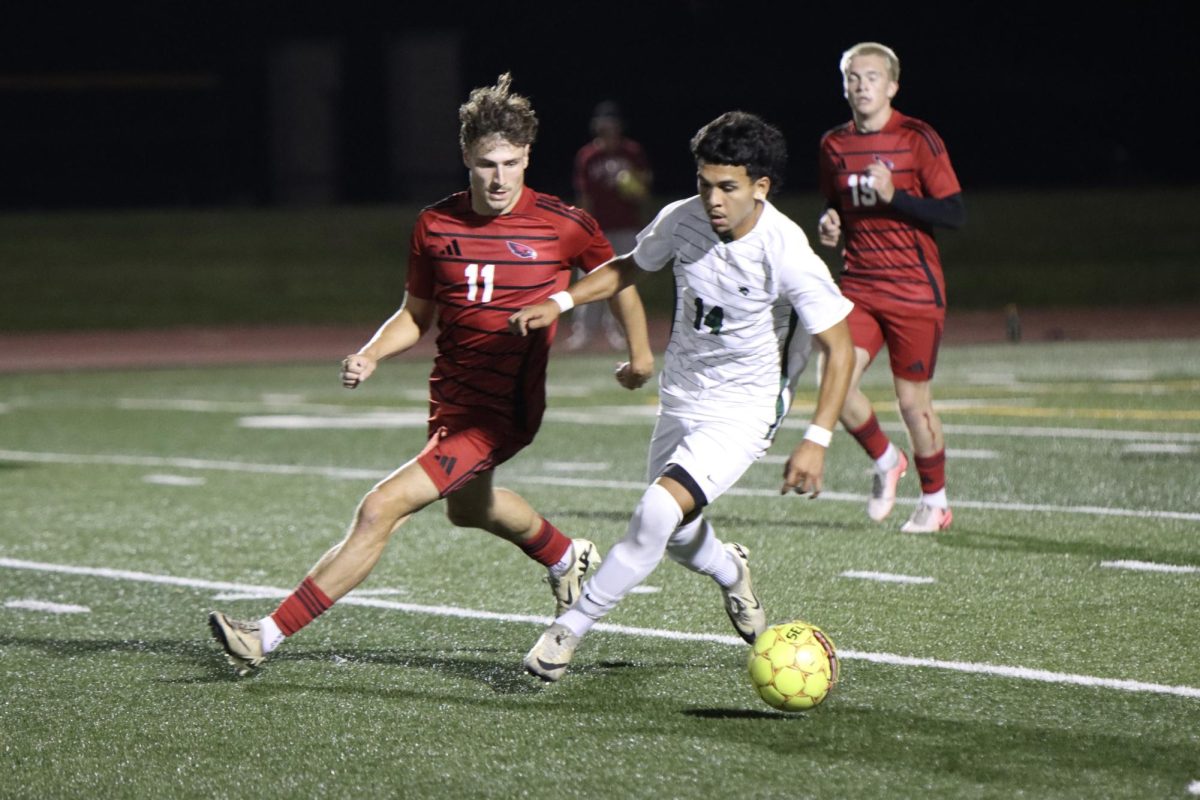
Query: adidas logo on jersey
x=916 y=367
x=447 y=463
x=452 y=249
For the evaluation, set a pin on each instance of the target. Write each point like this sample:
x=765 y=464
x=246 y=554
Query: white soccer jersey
x=736 y=347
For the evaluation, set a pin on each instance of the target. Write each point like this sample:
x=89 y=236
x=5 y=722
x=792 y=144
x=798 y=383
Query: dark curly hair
x=497 y=111
x=742 y=139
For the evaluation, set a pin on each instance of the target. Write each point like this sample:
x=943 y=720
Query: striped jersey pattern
x=480 y=269
x=744 y=311
x=887 y=254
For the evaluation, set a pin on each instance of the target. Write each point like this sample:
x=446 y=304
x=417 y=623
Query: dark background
x=174 y=104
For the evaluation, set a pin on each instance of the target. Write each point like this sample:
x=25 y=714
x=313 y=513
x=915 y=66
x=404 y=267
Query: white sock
x=270 y=633
x=578 y=622
x=631 y=560
x=728 y=572
x=889 y=459
x=937 y=499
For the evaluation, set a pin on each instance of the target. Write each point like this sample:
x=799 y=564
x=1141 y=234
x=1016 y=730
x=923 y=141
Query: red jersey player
x=612 y=179
x=887 y=181
x=475 y=258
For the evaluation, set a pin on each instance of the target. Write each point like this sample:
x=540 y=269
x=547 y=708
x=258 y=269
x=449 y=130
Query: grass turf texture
x=1069 y=456
x=168 y=268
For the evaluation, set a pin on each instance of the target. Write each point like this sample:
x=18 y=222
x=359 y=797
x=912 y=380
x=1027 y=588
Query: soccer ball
x=793 y=666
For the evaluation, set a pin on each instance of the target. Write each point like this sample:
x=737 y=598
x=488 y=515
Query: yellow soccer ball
x=793 y=666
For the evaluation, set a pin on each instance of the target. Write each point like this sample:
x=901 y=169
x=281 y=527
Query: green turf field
x=1046 y=648
x=146 y=269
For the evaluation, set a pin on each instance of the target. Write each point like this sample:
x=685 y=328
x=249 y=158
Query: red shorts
x=460 y=447
x=912 y=339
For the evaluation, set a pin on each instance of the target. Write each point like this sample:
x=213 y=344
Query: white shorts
x=716 y=453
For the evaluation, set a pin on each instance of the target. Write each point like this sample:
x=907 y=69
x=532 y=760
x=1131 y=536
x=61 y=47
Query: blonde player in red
x=887 y=181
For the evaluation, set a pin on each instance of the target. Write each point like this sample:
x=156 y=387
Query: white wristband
x=818 y=435
x=563 y=300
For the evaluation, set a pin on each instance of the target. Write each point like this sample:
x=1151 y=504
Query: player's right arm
x=829 y=226
x=600 y=284
x=401 y=331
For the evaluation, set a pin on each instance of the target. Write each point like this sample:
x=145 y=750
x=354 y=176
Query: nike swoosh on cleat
x=546 y=665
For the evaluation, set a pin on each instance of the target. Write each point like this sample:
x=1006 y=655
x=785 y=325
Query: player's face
x=497 y=170
x=732 y=201
x=868 y=86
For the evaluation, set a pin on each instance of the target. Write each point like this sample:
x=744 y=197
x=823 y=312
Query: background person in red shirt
x=887 y=181
x=475 y=258
x=612 y=180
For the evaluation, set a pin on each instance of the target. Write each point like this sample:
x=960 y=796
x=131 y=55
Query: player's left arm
x=805 y=469
x=627 y=307
x=947 y=212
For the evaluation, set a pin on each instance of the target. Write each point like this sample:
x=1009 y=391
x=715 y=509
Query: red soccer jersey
x=479 y=270
x=886 y=253
x=595 y=175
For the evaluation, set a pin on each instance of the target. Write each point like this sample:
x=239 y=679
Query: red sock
x=872 y=438
x=932 y=470
x=548 y=545
x=301 y=607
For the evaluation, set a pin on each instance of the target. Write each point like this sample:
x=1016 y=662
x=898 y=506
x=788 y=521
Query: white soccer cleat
x=241 y=641
x=883 y=489
x=741 y=603
x=584 y=556
x=551 y=654
x=928 y=519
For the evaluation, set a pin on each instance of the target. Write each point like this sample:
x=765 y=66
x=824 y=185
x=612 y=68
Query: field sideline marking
x=48 y=607
x=1021 y=673
x=355 y=473
x=614 y=415
x=1149 y=566
x=557 y=480
x=885 y=577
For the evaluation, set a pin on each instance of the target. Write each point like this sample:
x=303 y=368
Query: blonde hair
x=873 y=49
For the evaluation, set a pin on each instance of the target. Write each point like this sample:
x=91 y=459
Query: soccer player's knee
x=377 y=514
x=654 y=520
x=913 y=405
x=687 y=539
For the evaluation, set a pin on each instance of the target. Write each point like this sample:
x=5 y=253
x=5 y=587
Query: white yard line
x=1149 y=566
x=173 y=480
x=618 y=415
x=1019 y=673
x=47 y=607
x=558 y=480
x=1041 y=432
x=343 y=473
x=885 y=577
x=348 y=473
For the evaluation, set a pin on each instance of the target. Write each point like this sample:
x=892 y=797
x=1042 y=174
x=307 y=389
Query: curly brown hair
x=497 y=111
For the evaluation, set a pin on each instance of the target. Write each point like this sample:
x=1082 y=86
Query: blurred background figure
x=612 y=180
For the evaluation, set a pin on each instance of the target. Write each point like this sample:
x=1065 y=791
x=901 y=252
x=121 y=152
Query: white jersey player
x=752 y=297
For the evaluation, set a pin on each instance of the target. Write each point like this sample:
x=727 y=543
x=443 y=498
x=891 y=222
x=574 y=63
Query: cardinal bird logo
x=521 y=250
